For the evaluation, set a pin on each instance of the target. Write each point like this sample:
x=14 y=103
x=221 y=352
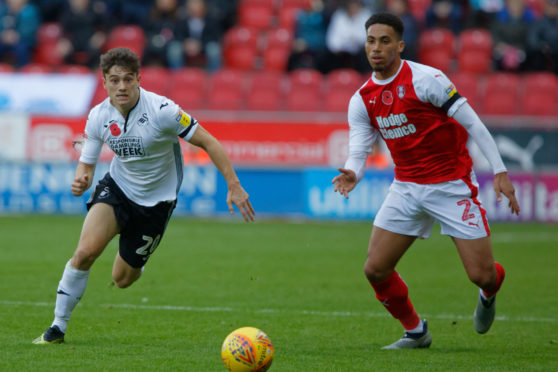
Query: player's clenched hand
x=239 y=197
x=80 y=184
x=502 y=184
x=345 y=182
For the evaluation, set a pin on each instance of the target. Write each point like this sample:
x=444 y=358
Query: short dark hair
x=120 y=57
x=387 y=19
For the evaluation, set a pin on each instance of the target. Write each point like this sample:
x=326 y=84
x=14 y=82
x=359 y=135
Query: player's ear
x=401 y=46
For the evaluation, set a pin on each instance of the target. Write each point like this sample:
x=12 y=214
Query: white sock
x=417 y=329
x=70 y=289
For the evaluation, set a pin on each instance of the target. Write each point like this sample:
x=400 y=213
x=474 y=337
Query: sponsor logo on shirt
x=183 y=119
x=127 y=147
x=450 y=90
x=395 y=126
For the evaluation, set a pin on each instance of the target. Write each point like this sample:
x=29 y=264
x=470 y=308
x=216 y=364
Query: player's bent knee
x=83 y=259
x=375 y=274
x=483 y=279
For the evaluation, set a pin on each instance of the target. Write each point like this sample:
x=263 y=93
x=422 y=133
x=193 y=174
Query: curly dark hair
x=120 y=57
x=386 y=19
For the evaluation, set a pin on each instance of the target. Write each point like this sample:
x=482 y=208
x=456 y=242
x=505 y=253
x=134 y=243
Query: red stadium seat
x=344 y=79
x=276 y=58
x=6 y=67
x=437 y=58
x=186 y=97
x=190 y=77
x=36 y=68
x=436 y=38
x=337 y=100
x=128 y=36
x=155 y=79
x=543 y=82
x=242 y=57
x=540 y=94
x=49 y=32
x=225 y=99
x=305 y=79
x=502 y=81
x=301 y=4
x=500 y=103
x=467 y=85
x=74 y=69
x=237 y=36
x=279 y=37
x=268 y=80
x=477 y=39
x=255 y=15
x=538 y=105
x=303 y=100
x=227 y=79
x=287 y=17
x=47 y=54
x=261 y=99
x=418 y=9
x=474 y=61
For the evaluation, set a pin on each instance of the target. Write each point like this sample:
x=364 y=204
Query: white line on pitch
x=529 y=319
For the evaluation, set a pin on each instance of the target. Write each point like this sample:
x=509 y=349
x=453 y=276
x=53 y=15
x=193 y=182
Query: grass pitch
x=302 y=283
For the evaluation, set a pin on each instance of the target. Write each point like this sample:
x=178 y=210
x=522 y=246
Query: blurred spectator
x=346 y=36
x=483 y=12
x=224 y=11
x=309 y=46
x=542 y=39
x=445 y=14
x=84 y=25
x=50 y=10
x=19 y=21
x=202 y=37
x=410 y=36
x=509 y=33
x=134 y=12
x=165 y=31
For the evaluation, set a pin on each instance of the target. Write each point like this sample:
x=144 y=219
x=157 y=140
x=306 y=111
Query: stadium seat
x=501 y=103
x=436 y=38
x=129 y=36
x=261 y=99
x=540 y=94
x=303 y=100
x=418 y=9
x=73 y=69
x=269 y=80
x=238 y=35
x=36 y=68
x=337 y=100
x=437 y=58
x=242 y=57
x=287 y=17
x=47 y=54
x=225 y=99
x=186 y=97
x=467 y=85
x=190 y=77
x=6 y=67
x=279 y=37
x=255 y=16
x=276 y=58
x=227 y=79
x=344 y=79
x=300 y=4
x=305 y=79
x=502 y=82
x=474 y=61
x=48 y=32
x=477 y=39
x=538 y=105
x=543 y=82
x=155 y=79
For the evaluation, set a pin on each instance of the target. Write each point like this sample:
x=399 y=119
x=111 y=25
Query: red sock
x=500 y=275
x=393 y=294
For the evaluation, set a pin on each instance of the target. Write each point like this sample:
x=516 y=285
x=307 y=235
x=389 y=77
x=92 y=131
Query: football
x=247 y=349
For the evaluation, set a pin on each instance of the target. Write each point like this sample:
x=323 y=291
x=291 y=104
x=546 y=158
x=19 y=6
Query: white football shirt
x=147 y=164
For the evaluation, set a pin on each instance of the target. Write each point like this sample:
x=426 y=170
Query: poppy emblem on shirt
x=387 y=97
x=401 y=91
x=114 y=130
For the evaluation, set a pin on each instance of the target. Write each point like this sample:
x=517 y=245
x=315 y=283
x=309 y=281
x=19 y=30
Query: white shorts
x=412 y=209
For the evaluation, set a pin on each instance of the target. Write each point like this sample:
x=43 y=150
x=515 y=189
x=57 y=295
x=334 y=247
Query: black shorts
x=141 y=228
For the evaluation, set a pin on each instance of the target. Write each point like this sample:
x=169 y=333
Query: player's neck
x=390 y=71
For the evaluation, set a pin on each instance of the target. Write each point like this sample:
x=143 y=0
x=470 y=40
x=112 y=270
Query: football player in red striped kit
x=425 y=124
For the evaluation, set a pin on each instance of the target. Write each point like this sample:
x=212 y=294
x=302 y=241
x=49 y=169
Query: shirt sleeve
x=469 y=119
x=173 y=118
x=362 y=136
x=93 y=141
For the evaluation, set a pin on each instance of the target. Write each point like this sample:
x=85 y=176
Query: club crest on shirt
x=400 y=91
x=183 y=118
x=387 y=97
x=144 y=120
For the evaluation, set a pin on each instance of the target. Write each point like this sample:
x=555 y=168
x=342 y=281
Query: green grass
x=302 y=283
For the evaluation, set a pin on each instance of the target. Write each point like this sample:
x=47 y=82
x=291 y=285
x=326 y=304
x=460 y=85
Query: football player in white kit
x=425 y=124
x=138 y=195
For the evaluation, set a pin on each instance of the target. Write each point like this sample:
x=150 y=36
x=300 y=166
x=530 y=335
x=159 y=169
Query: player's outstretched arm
x=83 y=178
x=503 y=185
x=345 y=182
x=236 y=194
